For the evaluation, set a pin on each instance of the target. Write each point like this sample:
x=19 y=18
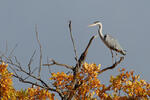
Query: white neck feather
x=100 y=31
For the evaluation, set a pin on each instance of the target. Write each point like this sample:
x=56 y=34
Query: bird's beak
x=91 y=25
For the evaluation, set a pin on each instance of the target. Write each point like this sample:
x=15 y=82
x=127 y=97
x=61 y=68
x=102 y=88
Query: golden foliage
x=130 y=84
x=125 y=86
x=91 y=88
x=6 y=88
x=7 y=92
x=34 y=94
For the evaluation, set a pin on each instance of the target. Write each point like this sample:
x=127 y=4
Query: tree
x=81 y=83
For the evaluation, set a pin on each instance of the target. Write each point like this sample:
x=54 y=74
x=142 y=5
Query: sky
x=127 y=21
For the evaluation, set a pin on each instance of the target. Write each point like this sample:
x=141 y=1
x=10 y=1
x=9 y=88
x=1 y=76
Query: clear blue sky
x=128 y=21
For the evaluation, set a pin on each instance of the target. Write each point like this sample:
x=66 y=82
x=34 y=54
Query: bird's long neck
x=100 y=32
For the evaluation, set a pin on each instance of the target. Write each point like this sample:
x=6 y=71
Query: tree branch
x=56 y=63
x=12 y=50
x=113 y=66
x=36 y=84
x=30 y=61
x=40 y=62
x=70 y=28
x=76 y=69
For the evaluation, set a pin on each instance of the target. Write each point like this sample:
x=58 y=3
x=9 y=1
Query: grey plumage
x=113 y=44
x=108 y=40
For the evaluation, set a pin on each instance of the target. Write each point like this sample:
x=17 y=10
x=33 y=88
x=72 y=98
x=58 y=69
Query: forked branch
x=82 y=58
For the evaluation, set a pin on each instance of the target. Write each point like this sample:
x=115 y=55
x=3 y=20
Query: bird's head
x=96 y=23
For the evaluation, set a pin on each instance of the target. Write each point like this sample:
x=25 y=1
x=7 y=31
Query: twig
x=30 y=61
x=56 y=63
x=30 y=73
x=70 y=28
x=14 y=71
x=32 y=83
x=40 y=62
x=19 y=65
x=49 y=69
x=12 y=51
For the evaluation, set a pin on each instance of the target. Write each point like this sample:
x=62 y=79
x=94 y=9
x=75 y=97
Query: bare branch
x=12 y=51
x=48 y=62
x=56 y=63
x=30 y=73
x=76 y=69
x=70 y=28
x=14 y=71
x=36 y=84
x=113 y=66
x=40 y=62
x=19 y=65
x=84 y=54
x=31 y=59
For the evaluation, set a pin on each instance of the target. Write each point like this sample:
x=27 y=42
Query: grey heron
x=108 y=40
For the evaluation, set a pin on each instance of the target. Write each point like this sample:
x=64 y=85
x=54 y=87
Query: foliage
x=91 y=88
x=124 y=86
x=6 y=88
x=7 y=92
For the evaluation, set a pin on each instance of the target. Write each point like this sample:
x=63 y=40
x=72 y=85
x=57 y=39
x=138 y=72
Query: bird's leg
x=116 y=56
x=112 y=56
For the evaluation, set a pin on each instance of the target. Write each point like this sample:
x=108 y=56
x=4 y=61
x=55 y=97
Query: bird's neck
x=100 y=32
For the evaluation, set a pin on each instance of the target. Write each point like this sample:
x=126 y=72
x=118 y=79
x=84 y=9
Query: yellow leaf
x=129 y=82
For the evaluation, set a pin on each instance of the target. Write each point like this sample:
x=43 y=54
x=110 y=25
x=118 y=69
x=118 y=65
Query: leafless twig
x=36 y=84
x=12 y=50
x=75 y=51
x=31 y=59
x=56 y=63
x=40 y=62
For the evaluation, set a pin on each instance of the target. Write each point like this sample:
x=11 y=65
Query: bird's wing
x=112 y=43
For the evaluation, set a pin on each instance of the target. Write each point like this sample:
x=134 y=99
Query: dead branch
x=82 y=57
x=76 y=69
x=40 y=62
x=30 y=61
x=29 y=74
x=56 y=63
x=13 y=50
x=84 y=54
x=75 y=51
x=113 y=66
x=49 y=69
x=36 y=84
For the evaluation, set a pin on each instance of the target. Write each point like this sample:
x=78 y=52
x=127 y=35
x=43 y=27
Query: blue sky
x=127 y=20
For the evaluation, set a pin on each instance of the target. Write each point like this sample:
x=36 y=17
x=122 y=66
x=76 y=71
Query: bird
x=108 y=40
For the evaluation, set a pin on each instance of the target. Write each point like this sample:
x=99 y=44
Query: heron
x=108 y=40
